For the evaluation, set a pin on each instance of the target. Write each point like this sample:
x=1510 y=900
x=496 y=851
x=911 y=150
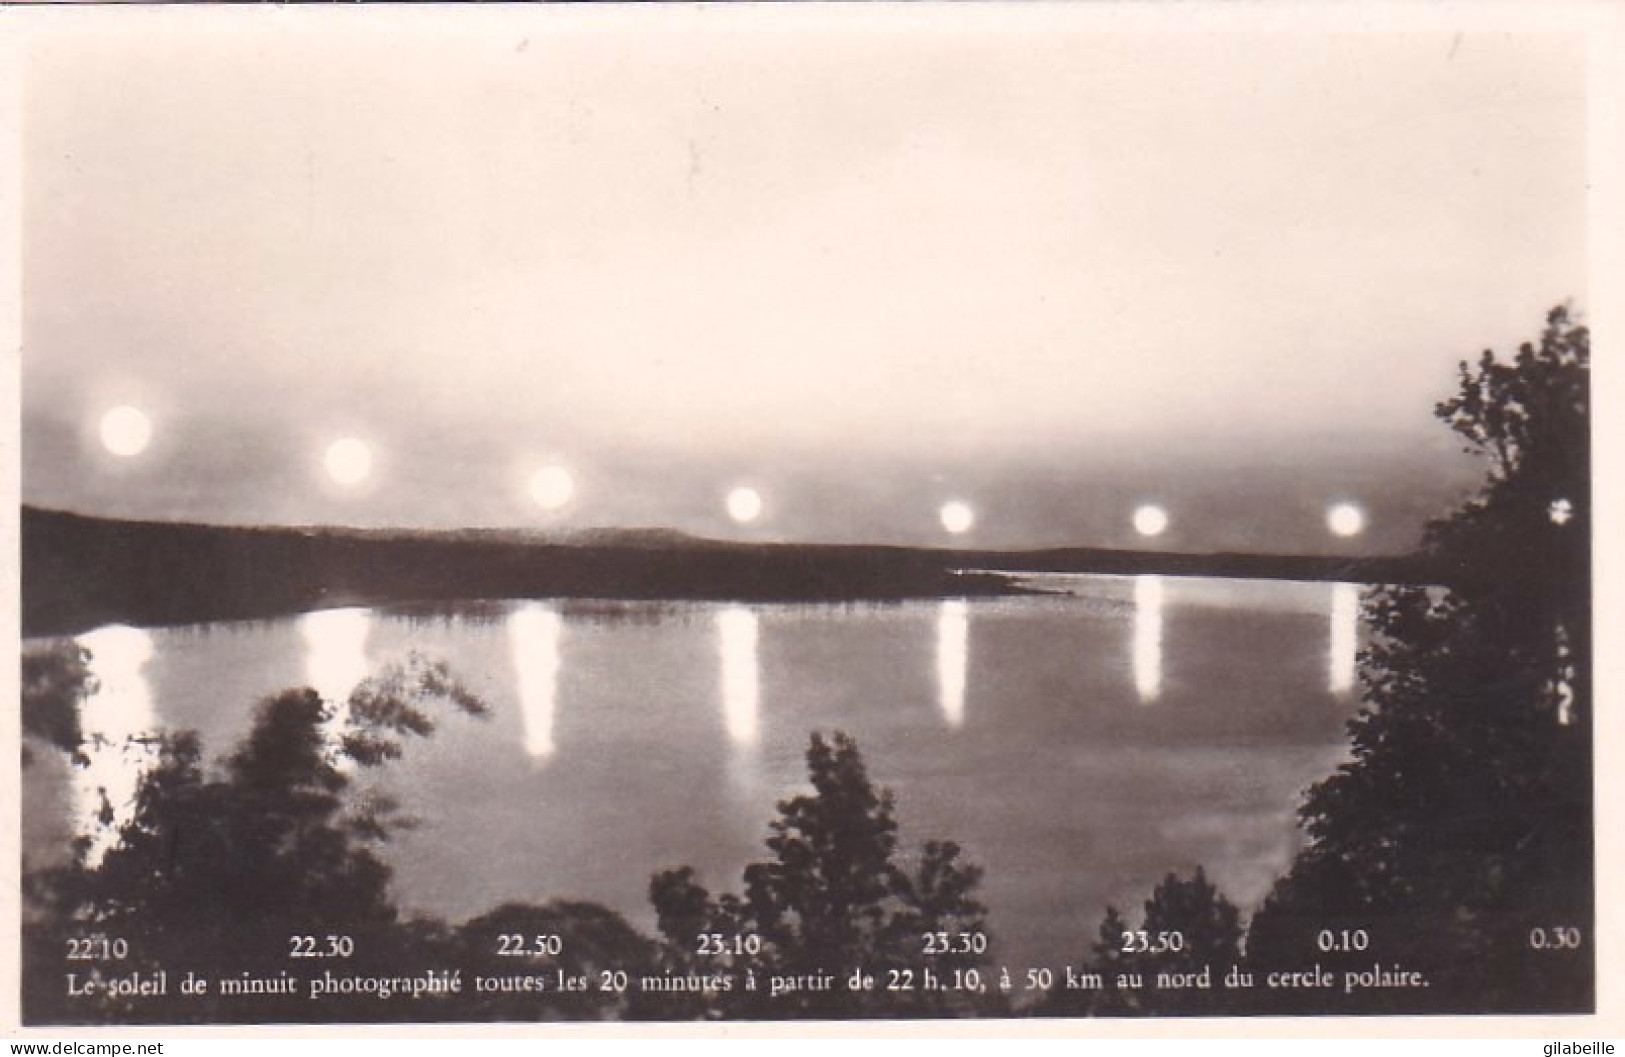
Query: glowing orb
x=1150 y=520
x=348 y=461
x=1561 y=511
x=126 y=431
x=744 y=504
x=551 y=487
x=957 y=517
x=1345 y=519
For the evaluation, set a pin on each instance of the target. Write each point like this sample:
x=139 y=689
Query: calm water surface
x=1078 y=745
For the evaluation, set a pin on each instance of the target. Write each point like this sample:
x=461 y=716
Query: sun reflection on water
x=335 y=650
x=117 y=720
x=741 y=691
x=1344 y=646
x=535 y=632
x=336 y=661
x=953 y=635
x=1148 y=594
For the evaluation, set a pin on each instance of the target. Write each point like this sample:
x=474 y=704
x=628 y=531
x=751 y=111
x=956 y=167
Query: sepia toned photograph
x=784 y=513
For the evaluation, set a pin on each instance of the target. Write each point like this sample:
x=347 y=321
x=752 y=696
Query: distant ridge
x=627 y=537
x=79 y=572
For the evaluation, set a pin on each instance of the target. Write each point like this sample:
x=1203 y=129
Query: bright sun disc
x=957 y=517
x=126 y=431
x=744 y=504
x=348 y=461
x=1345 y=519
x=1150 y=520
x=551 y=487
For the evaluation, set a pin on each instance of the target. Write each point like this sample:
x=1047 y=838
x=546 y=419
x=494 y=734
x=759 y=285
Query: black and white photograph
x=801 y=512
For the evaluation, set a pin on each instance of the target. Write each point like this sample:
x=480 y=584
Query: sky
x=861 y=266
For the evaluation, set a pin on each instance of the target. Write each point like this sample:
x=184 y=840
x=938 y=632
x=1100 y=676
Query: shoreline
x=80 y=572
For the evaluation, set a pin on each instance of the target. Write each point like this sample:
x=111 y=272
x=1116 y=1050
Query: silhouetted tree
x=56 y=680
x=1174 y=963
x=834 y=899
x=528 y=953
x=217 y=871
x=1209 y=927
x=1096 y=985
x=1462 y=823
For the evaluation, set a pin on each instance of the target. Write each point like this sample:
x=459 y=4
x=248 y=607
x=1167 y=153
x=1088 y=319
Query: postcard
x=779 y=513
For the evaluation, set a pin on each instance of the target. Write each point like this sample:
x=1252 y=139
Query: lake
x=1078 y=744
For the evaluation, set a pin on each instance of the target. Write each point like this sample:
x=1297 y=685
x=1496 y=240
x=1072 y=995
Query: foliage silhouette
x=512 y=942
x=1457 y=838
x=1463 y=821
x=1173 y=963
x=215 y=871
x=55 y=681
x=835 y=898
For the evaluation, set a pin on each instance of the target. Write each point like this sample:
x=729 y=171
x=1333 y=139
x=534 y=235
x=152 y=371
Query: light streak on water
x=335 y=650
x=953 y=637
x=1148 y=595
x=535 y=632
x=1344 y=647
x=116 y=719
x=741 y=690
x=335 y=662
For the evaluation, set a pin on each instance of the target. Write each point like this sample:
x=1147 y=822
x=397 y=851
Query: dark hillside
x=79 y=572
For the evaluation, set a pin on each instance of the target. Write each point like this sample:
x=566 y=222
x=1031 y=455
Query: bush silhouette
x=1463 y=822
x=834 y=898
